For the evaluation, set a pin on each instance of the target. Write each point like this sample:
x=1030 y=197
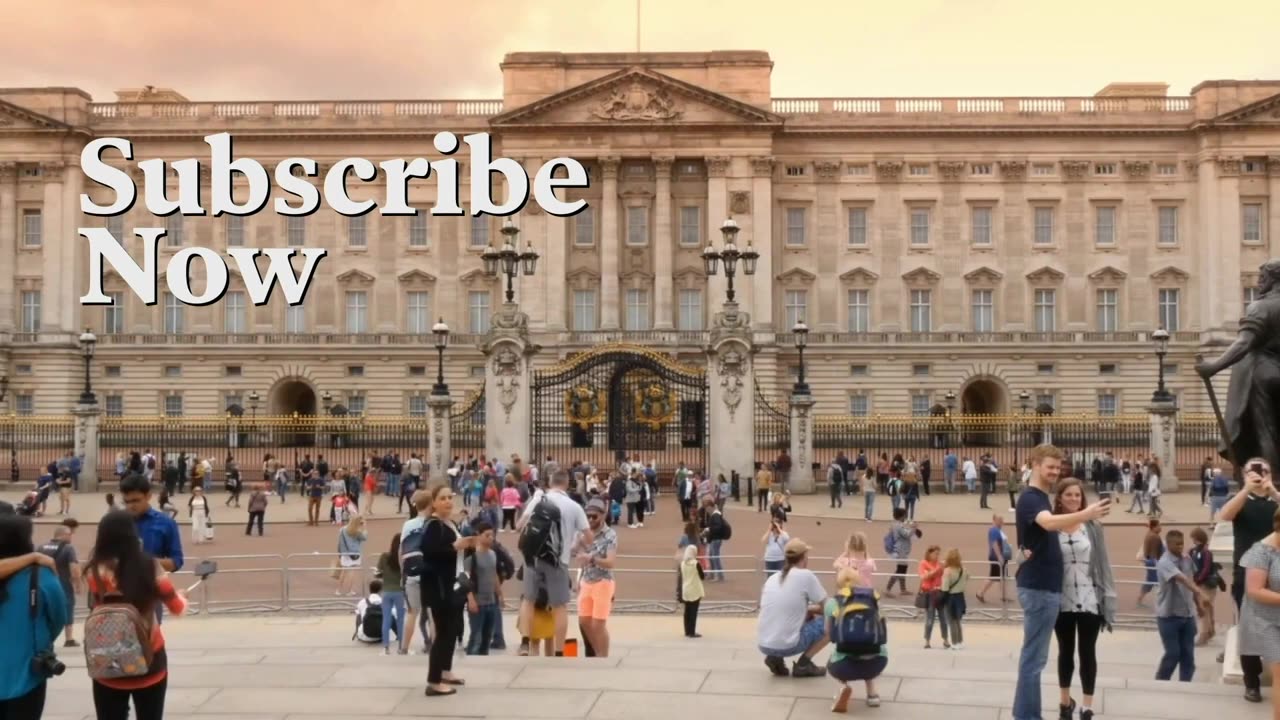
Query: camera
x=46 y=664
x=1256 y=468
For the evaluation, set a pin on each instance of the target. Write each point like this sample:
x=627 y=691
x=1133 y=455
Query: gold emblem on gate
x=655 y=405
x=584 y=406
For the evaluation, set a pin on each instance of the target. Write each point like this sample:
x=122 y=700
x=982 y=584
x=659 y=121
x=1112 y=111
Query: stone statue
x=1252 y=427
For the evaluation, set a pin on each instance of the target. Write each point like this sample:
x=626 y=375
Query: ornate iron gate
x=621 y=401
x=773 y=427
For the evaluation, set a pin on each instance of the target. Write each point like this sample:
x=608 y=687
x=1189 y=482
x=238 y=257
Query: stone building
x=982 y=246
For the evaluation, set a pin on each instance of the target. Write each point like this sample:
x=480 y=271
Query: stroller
x=30 y=505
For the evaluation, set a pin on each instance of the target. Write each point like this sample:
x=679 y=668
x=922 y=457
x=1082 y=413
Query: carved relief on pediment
x=638 y=101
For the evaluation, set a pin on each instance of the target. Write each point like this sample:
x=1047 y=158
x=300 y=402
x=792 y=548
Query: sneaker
x=873 y=701
x=777 y=666
x=386 y=651
x=1253 y=695
x=1086 y=713
x=1066 y=712
x=71 y=644
x=804 y=667
x=524 y=649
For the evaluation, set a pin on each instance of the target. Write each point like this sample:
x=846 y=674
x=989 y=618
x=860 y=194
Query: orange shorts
x=595 y=599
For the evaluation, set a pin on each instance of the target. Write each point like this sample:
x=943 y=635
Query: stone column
x=52 y=295
x=555 y=266
x=717 y=213
x=731 y=378
x=802 y=481
x=1164 y=425
x=440 y=451
x=508 y=383
x=762 y=239
x=8 y=243
x=609 y=297
x=663 y=255
x=69 y=244
x=86 y=443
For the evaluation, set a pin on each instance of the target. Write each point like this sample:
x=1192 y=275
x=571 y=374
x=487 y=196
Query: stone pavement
x=305 y=667
x=1179 y=508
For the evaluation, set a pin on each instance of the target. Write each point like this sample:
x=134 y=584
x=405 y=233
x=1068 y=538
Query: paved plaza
x=291 y=666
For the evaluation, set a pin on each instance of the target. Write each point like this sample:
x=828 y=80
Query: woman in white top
x=198 y=509
x=775 y=543
x=1088 y=599
x=1153 y=489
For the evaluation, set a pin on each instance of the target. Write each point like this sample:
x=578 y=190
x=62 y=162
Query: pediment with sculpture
x=636 y=96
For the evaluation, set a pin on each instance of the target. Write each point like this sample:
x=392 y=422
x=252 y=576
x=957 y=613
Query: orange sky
x=320 y=49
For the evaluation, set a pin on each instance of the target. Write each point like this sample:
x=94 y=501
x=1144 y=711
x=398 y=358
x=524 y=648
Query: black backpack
x=541 y=539
x=151 y=462
x=371 y=623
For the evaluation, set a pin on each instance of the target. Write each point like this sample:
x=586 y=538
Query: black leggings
x=26 y=707
x=1086 y=626
x=447 y=629
x=691 y=618
x=509 y=517
x=148 y=702
x=899 y=576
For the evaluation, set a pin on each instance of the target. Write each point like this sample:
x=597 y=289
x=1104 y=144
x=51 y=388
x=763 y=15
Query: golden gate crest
x=655 y=405
x=584 y=406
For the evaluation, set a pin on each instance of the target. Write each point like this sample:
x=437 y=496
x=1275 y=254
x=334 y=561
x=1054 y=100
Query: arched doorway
x=983 y=397
x=292 y=396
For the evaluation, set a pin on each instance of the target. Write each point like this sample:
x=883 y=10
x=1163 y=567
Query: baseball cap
x=596 y=506
x=796 y=548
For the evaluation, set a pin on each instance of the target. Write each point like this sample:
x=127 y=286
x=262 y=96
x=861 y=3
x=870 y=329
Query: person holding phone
x=441 y=544
x=1251 y=514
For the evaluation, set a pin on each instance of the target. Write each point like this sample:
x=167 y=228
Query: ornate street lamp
x=730 y=255
x=326 y=399
x=441 y=331
x=801 y=334
x=1024 y=399
x=4 y=386
x=1161 y=338
x=951 y=401
x=508 y=260
x=87 y=342
x=254 y=399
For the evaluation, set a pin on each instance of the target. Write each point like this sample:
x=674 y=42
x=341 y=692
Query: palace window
x=417 y=312
x=984 y=312
x=1168 y=218
x=356 y=231
x=478 y=311
x=795 y=226
x=32 y=228
x=1108 y=306
x=981 y=226
x=859 y=405
x=1044 y=310
x=26 y=404
x=113 y=314
x=1104 y=225
x=1044 y=226
x=1251 y=222
x=1166 y=169
x=175 y=315
x=1044 y=368
x=115 y=226
x=691 y=226
x=418 y=230
x=584 y=228
x=174 y=226
x=637 y=310
x=795 y=306
x=918 y=169
x=859 y=311
x=981 y=169
x=1107 y=403
x=479 y=232
x=234 y=227
x=637 y=226
x=919 y=226
x=1167 y=305
x=30 y=311
x=357 y=311
x=417 y=406
x=295 y=319
x=115 y=406
x=1104 y=168
x=921 y=403
x=1042 y=169
x=1049 y=399
x=690 y=310
x=921 y=311
x=234 y=309
x=356 y=405
x=295 y=230
x=1250 y=294
x=584 y=310
x=173 y=405
x=857 y=227
x=1106 y=368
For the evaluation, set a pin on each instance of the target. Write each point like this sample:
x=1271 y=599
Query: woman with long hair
x=1153 y=489
x=930 y=571
x=954 y=580
x=119 y=570
x=441 y=544
x=857 y=557
x=22 y=684
x=392 y=596
x=351 y=539
x=775 y=542
x=198 y=511
x=1088 y=599
x=1149 y=553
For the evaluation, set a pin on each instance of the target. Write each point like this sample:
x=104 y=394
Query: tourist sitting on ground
x=790 y=621
x=854 y=626
x=369 y=615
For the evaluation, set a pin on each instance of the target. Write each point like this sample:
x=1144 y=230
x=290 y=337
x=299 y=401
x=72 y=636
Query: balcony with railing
x=987 y=111
x=663 y=338
x=289 y=115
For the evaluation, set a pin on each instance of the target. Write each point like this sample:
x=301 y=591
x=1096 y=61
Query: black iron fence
x=773 y=426
x=29 y=443
x=466 y=426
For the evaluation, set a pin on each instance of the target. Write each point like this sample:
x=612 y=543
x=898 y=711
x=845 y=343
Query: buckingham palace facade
x=987 y=247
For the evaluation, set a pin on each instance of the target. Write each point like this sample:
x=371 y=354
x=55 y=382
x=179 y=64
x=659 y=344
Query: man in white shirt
x=970 y=471
x=791 y=621
x=553 y=578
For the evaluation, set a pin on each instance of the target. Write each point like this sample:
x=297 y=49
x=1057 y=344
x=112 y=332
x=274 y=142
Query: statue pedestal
x=86 y=447
x=802 y=476
x=1163 y=416
x=731 y=389
x=508 y=383
x=439 y=452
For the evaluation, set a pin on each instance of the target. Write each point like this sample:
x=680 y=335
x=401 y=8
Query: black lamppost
x=508 y=260
x=4 y=386
x=87 y=342
x=801 y=334
x=254 y=398
x=1161 y=338
x=730 y=255
x=441 y=331
x=951 y=401
x=326 y=399
x=1024 y=399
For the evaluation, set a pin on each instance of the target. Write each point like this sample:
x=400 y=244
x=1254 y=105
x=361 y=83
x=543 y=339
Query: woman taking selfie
x=119 y=571
x=441 y=544
x=1088 y=599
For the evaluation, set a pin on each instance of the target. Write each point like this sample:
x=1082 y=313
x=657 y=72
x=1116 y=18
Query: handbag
x=928 y=599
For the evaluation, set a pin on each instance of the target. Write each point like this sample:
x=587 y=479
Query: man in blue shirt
x=949 y=467
x=158 y=531
x=1040 y=574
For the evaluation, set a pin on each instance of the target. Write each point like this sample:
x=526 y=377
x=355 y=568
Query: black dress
x=440 y=561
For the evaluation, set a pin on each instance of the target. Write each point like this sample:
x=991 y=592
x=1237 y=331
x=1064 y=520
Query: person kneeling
x=858 y=632
x=791 y=621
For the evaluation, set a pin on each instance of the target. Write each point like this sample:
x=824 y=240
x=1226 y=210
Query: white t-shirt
x=783 y=606
x=970 y=470
x=573 y=520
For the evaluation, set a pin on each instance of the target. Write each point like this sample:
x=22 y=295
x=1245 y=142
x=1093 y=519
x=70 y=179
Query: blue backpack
x=889 y=542
x=411 y=562
x=856 y=626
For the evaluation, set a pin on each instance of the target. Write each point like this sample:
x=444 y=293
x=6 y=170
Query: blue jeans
x=869 y=500
x=713 y=555
x=393 y=609
x=1039 y=615
x=482 y=628
x=1178 y=635
x=393 y=484
x=970 y=484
